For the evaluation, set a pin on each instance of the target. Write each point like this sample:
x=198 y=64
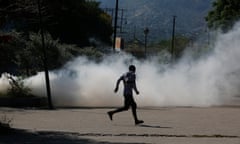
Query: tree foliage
x=24 y=54
x=137 y=48
x=17 y=88
x=181 y=43
x=224 y=14
x=10 y=44
x=72 y=21
x=68 y=26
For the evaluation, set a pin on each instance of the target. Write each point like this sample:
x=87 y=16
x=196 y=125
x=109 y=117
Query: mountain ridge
x=157 y=15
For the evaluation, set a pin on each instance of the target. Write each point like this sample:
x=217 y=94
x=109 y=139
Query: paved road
x=173 y=125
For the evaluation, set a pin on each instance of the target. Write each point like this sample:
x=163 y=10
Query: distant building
x=119 y=44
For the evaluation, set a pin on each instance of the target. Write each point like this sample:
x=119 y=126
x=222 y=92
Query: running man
x=129 y=85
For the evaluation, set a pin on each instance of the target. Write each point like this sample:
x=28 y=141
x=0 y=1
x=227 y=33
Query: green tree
x=224 y=14
x=181 y=43
x=32 y=55
x=72 y=21
x=10 y=44
x=21 y=55
x=77 y=21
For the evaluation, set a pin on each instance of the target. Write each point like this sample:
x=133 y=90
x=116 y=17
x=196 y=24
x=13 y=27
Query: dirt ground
x=173 y=125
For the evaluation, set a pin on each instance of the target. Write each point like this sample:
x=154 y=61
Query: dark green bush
x=17 y=88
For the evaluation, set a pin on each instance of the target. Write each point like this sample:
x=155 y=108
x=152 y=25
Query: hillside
x=157 y=15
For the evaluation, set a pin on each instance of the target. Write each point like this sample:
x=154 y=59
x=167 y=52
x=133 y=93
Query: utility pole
x=134 y=32
x=50 y=105
x=123 y=20
x=117 y=21
x=208 y=36
x=115 y=26
x=146 y=31
x=173 y=38
x=121 y=29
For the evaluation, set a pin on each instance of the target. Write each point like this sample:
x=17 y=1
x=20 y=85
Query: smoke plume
x=213 y=79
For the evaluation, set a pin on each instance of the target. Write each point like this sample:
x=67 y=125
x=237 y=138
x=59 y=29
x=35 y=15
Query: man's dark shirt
x=129 y=83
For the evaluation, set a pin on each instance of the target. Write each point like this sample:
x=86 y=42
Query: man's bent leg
x=124 y=108
x=134 y=112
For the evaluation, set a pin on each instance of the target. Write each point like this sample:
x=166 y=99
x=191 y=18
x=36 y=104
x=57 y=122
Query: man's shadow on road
x=153 y=126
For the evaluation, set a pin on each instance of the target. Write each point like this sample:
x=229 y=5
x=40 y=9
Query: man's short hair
x=132 y=68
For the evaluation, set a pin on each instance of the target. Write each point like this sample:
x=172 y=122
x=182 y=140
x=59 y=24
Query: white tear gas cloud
x=4 y=82
x=211 y=80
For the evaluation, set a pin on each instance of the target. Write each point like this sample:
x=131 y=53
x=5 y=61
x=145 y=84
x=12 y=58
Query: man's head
x=132 y=68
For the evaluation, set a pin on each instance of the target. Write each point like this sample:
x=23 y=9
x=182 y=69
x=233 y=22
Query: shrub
x=17 y=88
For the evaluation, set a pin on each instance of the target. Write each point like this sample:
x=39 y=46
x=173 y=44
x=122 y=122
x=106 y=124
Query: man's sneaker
x=110 y=115
x=139 y=122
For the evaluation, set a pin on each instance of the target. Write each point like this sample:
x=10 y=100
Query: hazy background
x=211 y=80
x=205 y=72
x=157 y=15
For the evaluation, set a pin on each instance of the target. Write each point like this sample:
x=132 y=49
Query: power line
x=118 y=22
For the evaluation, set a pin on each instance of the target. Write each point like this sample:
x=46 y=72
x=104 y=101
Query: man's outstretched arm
x=135 y=88
x=117 y=84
